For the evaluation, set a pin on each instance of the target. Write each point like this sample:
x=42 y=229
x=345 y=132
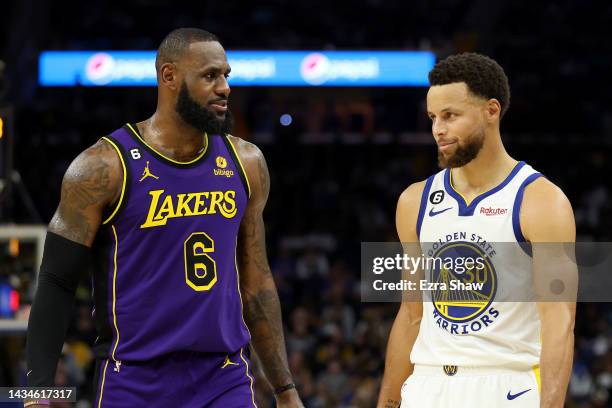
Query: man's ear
x=168 y=76
x=493 y=110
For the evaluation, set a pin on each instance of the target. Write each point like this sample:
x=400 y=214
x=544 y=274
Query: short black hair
x=483 y=76
x=177 y=42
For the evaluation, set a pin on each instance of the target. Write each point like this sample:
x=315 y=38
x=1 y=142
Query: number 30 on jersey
x=200 y=268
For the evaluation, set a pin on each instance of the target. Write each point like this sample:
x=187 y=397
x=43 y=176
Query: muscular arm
x=90 y=184
x=262 y=311
x=406 y=326
x=547 y=221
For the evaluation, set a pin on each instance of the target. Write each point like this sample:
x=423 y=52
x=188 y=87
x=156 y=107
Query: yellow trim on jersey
x=115 y=291
x=250 y=378
x=536 y=371
x=238 y=286
x=166 y=157
x=102 y=386
x=246 y=177
x=110 y=217
x=453 y=187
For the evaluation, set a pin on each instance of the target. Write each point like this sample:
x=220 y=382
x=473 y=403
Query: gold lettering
x=223 y=172
x=229 y=209
x=189 y=204
x=200 y=205
x=166 y=210
x=182 y=205
x=155 y=194
x=215 y=201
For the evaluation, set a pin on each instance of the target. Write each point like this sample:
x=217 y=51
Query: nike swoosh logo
x=511 y=396
x=29 y=372
x=433 y=213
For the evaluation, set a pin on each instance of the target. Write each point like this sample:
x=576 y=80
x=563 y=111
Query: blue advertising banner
x=249 y=68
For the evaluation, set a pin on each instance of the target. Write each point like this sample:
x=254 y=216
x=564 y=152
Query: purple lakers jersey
x=166 y=278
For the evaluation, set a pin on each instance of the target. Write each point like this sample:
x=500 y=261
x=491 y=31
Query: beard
x=464 y=153
x=200 y=117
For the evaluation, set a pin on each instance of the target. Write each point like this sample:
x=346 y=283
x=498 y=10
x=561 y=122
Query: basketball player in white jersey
x=486 y=353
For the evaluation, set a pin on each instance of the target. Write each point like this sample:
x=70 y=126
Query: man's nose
x=222 y=88
x=438 y=128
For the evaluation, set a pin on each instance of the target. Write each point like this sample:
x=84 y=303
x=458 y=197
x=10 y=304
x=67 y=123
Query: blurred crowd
x=338 y=168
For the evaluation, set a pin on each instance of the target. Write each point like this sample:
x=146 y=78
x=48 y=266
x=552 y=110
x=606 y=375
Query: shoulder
x=250 y=155
x=412 y=195
x=407 y=212
x=101 y=154
x=92 y=182
x=546 y=213
x=255 y=167
x=97 y=168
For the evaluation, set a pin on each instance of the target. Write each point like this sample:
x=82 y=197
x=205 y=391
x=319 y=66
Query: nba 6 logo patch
x=436 y=197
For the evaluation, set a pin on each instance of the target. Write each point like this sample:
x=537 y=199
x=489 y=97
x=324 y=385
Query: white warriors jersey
x=477 y=325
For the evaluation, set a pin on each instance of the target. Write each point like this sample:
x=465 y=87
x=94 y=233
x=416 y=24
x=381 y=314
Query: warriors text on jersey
x=485 y=326
x=166 y=277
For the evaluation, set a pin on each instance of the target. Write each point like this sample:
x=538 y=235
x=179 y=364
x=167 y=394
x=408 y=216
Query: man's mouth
x=219 y=106
x=445 y=145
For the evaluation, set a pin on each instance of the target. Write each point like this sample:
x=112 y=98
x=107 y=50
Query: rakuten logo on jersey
x=493 y=211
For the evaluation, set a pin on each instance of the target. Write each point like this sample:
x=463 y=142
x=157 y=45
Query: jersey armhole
x=516 y=213
x=423 y=205
x=113 y=211
x=238 y=162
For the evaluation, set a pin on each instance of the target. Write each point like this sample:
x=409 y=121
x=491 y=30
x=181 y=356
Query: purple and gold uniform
x=167 y=302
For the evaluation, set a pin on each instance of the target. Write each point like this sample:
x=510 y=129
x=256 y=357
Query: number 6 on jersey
x=200 y=268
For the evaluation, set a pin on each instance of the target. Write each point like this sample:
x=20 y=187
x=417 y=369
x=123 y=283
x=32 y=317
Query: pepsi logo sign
x=315 y=68
x=99 y=68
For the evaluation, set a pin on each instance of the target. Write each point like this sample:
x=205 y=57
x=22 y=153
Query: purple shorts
x=177 y=380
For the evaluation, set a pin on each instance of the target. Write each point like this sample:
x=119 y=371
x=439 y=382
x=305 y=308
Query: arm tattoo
x=262 y=314
x=392 y=404
x=262 y=311
x=87 y=182
x=262 y=307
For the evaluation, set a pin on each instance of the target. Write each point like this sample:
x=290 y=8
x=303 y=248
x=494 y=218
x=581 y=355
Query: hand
x=289 y=399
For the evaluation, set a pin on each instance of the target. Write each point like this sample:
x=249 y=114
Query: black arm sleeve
x=63 y=263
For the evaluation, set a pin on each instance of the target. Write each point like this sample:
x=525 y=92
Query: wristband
x=284 y=388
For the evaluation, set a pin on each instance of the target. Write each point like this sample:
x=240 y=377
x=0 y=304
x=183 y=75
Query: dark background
x=339 y=168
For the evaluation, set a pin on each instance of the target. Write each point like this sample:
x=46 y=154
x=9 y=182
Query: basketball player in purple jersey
x=171 y=209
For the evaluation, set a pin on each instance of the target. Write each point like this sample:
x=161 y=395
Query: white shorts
x=431 y=387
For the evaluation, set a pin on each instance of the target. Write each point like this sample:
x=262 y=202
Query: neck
x=167 y=132
x=489 y=168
